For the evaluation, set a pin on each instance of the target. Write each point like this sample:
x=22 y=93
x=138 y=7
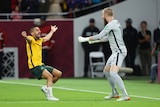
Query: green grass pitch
x=77 y=92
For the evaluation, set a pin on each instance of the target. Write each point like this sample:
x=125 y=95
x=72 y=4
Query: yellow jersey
x=34 y=52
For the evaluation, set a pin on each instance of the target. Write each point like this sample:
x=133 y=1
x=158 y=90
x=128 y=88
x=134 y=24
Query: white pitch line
x=98 y=92
x=80 y=90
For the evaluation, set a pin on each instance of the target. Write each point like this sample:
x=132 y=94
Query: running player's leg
x=119 y=81
x=110 y=80
x=47 y=90
x=112 y=84
x=47 y=75
x=41 y=72
x=56 y=75
x=116 y=64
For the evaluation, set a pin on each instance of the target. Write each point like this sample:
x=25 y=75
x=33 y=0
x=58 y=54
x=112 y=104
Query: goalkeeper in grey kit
x=112 y=33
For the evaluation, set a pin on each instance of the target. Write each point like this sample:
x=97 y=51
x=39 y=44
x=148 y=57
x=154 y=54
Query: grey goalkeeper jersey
x=114 y=34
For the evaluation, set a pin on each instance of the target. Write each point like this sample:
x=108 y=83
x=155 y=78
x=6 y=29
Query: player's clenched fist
x=54 y=28
x=24 y=34
x=82 y=39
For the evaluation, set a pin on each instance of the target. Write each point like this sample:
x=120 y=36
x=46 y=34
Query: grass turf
x=77 y=92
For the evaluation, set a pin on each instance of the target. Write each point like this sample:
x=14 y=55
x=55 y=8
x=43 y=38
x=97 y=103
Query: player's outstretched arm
x=85 y=39
x=104 y=39
x=49 y=35
x=99 y=36
x=24 y=34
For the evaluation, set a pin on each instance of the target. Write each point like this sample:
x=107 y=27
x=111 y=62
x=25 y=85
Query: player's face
x=37 y=32
x=104 y=16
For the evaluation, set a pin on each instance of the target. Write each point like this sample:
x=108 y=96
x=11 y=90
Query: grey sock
x=111 y=82
x=119 y=82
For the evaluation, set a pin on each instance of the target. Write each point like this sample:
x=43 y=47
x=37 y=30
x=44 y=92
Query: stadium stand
x=57 y=8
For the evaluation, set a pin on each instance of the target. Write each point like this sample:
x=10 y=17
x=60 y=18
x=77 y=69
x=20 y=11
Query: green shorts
x=38 y=70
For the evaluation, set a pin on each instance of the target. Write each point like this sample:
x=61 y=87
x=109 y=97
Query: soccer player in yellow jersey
x=34 y=53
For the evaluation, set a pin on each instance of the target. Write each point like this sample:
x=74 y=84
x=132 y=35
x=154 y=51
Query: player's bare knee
x=50 y=77
x=114 y=68
x=107 y=69
x=57 y=73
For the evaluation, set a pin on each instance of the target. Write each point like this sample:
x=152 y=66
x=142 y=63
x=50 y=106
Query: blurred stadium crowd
x=19 y=9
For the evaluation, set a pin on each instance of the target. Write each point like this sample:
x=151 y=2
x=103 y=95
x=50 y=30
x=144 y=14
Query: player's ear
x=32 y=33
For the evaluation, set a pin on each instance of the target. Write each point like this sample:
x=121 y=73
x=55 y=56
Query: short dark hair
x=43 y=17
x=129 y=20
x=91 y=20
x=144 y=22
x=31 y=29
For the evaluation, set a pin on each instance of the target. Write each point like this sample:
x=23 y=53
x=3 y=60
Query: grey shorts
x=116 y=59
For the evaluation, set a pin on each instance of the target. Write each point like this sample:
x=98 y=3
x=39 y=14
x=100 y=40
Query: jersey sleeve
x=30 y=37
x=100 y=35
x=42 y=40
x=108 y=27
x=104 y=39
x=103 y=33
